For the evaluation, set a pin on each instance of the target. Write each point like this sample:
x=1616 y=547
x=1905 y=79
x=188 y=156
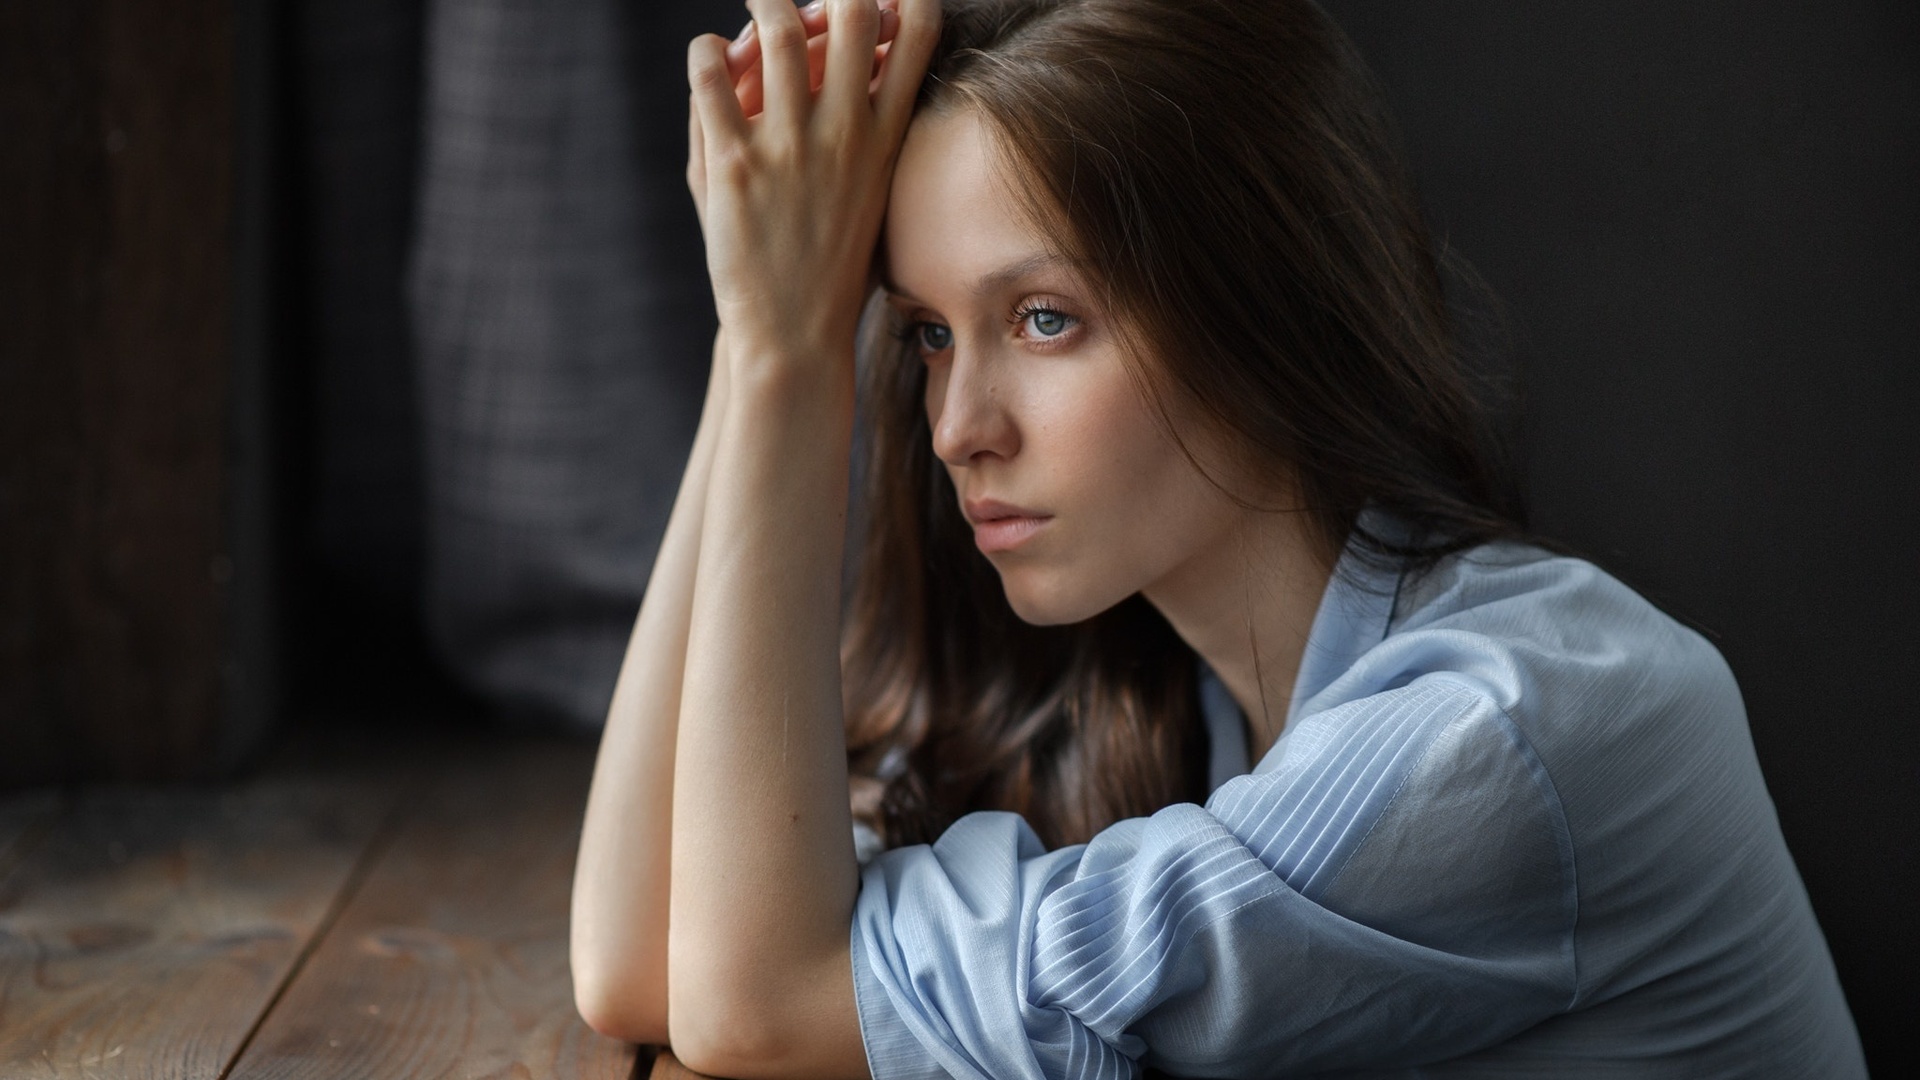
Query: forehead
x=953 y=216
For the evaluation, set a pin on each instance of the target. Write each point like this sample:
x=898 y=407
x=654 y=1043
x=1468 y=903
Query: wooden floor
x=364 y=906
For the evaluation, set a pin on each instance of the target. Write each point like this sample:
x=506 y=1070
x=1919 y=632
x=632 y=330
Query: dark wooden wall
x=117 y=391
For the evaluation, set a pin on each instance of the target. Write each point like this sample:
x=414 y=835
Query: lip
x=999 y=526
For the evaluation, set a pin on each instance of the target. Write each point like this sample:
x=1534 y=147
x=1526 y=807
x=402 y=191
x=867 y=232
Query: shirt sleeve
x=1396 y=887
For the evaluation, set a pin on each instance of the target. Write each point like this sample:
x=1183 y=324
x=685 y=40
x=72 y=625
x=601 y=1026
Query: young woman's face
x=1076 y=494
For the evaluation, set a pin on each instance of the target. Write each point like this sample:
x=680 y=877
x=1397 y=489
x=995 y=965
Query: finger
x=816 y=71
x=783 y=63
x=696 y=162
x=751 y=92
x=751 y=88
x=889 y=29
x=905 y=66
x=879 y=57
x=744 y=51
x=696 y=151
x=721 y=120
x=854 y=31
x=889 y=26
x=816 y=62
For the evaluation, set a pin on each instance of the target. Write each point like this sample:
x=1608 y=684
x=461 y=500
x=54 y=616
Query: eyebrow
x=989 y=283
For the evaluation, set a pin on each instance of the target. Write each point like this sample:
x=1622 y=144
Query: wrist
x=772 y=371
x=817 y=326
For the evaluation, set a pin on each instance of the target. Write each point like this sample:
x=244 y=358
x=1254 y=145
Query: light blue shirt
x=1514 y=826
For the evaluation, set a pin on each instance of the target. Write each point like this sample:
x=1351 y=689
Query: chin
x=1049 y=600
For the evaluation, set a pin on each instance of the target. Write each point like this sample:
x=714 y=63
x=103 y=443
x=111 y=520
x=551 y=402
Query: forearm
x=620 y=890
x=764 y=875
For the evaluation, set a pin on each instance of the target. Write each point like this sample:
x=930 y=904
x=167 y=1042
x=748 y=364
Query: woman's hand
x=749 y=86
x=743 y=53
x=791 y=199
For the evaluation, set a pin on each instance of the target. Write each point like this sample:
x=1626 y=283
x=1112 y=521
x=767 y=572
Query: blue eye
x=935 y=338
x=1046 y=322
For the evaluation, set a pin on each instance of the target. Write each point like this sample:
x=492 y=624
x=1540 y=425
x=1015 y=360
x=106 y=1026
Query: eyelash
x=908 y=332
x=1029 y=309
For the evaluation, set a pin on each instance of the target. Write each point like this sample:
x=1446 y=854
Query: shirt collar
x=1354 y=612
x=1354 y=615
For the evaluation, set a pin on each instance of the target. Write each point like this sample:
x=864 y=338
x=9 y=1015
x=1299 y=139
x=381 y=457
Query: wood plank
x=451 y=959
x=149 y=930
x=22 y=815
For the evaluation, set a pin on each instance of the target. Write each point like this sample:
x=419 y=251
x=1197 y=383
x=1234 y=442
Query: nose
x=968 y=412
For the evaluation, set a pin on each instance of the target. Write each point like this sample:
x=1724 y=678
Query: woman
x=1173 y=469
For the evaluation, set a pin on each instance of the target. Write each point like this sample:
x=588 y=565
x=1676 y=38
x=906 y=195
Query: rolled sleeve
x=893 y=1050
x=1218 y=940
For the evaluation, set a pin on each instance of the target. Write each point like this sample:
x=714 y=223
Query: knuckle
x=706 y=73
x=853 y=14
x=783 y=36
x=920 y=20
x=844 y=139
x=783 y=155
x=729 y=164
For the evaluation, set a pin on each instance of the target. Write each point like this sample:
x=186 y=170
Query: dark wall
x=130 y=593
x=1705 y=219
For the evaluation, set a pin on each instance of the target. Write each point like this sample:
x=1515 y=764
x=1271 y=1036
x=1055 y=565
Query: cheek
x=1144 y=505
x=931 y=396
x=1111 y=446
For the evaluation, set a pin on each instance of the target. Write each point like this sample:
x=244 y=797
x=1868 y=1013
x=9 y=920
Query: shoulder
x=1552 y=606
x=1588 y=697
x=1630 y=725
x=1567 y=651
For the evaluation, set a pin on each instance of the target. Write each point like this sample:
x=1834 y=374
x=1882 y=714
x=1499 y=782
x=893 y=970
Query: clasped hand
x=791 y=197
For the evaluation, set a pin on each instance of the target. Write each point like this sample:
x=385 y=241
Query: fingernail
x=889 y=23
x=737 y=48
x=813 y=8
x=745 y=33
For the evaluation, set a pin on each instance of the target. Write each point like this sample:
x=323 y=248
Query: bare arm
x=764 y=876
x=620 y=882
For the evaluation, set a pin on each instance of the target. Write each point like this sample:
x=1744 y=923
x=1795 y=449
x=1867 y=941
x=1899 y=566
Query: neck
x=1246 y=606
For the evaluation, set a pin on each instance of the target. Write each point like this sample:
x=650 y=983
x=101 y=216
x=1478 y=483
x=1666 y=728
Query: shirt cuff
x=893 y=1052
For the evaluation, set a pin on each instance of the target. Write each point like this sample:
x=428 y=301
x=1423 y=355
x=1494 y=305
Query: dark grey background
x=1704 y=218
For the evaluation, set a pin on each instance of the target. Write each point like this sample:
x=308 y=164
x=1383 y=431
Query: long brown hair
x=1226 y=171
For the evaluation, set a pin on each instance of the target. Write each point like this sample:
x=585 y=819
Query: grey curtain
x=512 y=322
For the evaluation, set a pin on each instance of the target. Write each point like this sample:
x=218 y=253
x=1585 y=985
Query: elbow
x=747 y=1011
x=621 y=1017
x=716 y=1037
x=619 y=1008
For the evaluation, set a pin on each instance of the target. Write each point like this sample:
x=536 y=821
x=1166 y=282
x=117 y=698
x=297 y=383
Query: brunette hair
x=1226 y=174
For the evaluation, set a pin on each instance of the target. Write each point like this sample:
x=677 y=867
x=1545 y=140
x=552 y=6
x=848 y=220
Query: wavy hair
x=1227 y=172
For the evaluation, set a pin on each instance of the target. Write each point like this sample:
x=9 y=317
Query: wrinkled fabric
x=1514 y=826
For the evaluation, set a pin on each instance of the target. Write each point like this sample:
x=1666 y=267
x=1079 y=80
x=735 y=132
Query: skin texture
x=1031 y=403
x=762 y=876
x=716 y=881
x=618 y=935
